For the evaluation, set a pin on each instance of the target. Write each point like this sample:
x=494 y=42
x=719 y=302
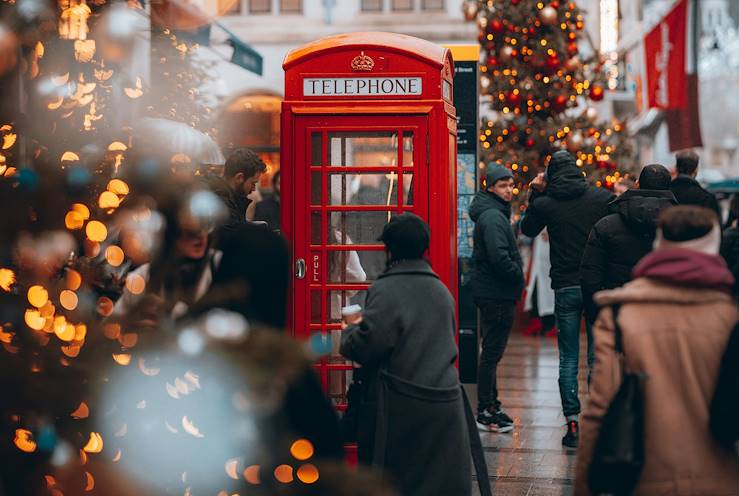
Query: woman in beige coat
x=676 y=317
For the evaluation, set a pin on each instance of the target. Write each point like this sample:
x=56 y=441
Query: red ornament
x=515 y=2
x=530 y=143
x=612 y=166
x=513 y=129
x=559 y=103
x=596 y=93
x=492 y=61
x=572 y=48
x=553 y=63
x=496 y=26
x=514 y=99
x=554 y=5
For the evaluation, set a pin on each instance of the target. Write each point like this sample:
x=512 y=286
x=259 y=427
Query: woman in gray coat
x=412 y=421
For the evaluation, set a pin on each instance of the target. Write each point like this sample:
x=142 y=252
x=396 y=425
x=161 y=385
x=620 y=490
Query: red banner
x=665 y=55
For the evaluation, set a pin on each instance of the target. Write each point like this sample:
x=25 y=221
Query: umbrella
x=172 y=138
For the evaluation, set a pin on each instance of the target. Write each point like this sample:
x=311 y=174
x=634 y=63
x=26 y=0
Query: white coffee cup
x=351 y=313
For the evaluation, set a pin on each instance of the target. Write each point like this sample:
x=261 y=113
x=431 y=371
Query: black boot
x=573 y=433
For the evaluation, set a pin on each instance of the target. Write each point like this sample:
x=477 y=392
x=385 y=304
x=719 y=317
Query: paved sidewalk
x=530 y=461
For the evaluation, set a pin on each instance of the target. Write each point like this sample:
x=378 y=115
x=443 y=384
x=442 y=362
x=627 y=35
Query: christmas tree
x=536 y=87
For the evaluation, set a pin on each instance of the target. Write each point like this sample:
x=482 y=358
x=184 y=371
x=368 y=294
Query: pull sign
x=391 y=86
x=316 y=268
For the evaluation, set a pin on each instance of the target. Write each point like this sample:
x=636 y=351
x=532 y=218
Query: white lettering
x=662 y=64
x=401 y=86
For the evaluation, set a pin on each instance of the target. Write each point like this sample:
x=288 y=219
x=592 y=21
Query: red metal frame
x=428 y=116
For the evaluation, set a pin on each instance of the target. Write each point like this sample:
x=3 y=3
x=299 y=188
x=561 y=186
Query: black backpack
x=618 y=457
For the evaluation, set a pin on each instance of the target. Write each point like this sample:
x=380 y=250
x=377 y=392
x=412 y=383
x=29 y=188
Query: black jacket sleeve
x=497 y=237
x=593 y=271
x=533 y=221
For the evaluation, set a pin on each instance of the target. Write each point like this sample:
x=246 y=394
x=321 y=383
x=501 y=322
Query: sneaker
x=504 y=417
x=492 y=423
x=573 y=433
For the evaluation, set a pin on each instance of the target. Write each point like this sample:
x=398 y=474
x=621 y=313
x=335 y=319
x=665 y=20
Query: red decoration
x=559 y=103
x=514 y=98
x=553 y=63
x=555 y=4
x=596 y=93
x=492 y=61
x=572 y=48
x=513 y=128
x=515 y=2
x=496 y=26
x=530 y=143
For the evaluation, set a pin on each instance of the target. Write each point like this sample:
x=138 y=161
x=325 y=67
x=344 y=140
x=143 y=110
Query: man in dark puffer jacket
x=497 y=283
x=686 y=189
x=618 y=241
x=563 y=202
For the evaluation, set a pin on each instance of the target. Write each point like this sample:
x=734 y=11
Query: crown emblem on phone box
x=362 y=62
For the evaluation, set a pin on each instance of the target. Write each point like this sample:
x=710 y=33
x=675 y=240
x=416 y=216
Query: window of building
x=260 y=6
x=291 y=6
x=432 y=4
x=229 y=7
x=403 y=5
x=371 y=5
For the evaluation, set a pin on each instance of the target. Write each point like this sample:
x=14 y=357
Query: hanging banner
x=665 y=49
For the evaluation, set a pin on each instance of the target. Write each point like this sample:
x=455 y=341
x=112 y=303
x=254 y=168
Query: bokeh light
x=96 y=231
x=284 y=474
x=68 y=299
x=308 y=473
x=114 y=255
x=302 y=449
x=37 y=296
x=135 y=284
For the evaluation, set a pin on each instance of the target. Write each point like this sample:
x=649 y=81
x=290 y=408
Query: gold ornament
x=574 y=142
x=506 y=53
x=548 y=16
x=470 y=9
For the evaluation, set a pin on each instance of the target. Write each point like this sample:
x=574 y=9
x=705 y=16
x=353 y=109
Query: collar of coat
x=647 y=290
x=407 y=267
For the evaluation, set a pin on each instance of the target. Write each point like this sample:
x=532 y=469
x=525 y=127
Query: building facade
x=251 y=103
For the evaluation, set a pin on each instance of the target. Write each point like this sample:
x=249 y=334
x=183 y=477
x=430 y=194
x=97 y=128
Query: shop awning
x=727 y=186
x=188 y=21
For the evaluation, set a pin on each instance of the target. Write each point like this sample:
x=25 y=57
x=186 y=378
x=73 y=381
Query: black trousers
x=496 y=320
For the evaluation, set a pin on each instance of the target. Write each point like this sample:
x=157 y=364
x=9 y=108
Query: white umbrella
x=172 y=138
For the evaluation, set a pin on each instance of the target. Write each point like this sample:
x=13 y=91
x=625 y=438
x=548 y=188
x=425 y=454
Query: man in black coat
x=497 y=282
x=686 y=189
x=619 y=240
x=562 y=201
x=241 y=174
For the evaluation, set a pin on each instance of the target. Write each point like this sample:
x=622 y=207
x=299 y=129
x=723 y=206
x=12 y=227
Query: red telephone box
x=368 y=132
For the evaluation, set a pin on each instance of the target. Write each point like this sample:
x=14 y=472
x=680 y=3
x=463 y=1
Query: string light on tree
x=537 y=82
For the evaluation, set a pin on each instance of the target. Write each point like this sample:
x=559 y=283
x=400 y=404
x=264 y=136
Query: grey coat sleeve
x=533 y=221
x=374 y=338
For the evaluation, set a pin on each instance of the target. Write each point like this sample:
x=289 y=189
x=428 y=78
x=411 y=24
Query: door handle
x=300 y=268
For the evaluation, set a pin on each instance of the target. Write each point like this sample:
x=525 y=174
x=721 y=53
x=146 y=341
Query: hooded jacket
x=568 y=208
x=498 y=269
x=676 y=318
x=688 y=191
x=619 y=240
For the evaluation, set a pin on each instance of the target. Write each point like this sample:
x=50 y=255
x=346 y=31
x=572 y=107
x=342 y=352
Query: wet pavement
x=530 y=461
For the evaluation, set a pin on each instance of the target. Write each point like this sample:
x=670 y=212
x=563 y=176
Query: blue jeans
x=568 y=310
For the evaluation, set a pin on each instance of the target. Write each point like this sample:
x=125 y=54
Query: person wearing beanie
x=618 y=241
x=497 y=283
x=405 y=342
x=563 y=202
x=676 y=318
